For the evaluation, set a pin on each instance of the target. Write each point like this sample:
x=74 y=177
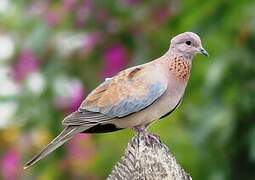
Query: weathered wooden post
x=147 y=161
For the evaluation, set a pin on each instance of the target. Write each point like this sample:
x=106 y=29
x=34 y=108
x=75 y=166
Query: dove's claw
x=153 y=137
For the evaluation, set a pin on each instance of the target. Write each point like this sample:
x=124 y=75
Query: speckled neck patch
x=180 y=67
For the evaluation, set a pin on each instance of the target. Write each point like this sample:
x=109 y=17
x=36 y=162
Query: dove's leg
x=140 y=129
x=148 y=136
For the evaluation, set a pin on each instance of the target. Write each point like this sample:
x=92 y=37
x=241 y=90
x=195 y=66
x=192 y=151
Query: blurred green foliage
x=61 y=50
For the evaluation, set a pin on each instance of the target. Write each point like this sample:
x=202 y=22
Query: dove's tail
x=63 y=137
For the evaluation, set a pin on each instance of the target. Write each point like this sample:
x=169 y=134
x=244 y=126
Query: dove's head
x=187 y=44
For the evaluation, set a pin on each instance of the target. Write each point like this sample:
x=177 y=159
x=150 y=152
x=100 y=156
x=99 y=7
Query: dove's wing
x=128 y=92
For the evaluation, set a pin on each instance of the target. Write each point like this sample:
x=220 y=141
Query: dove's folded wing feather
x=84 y=118
x=128 y=92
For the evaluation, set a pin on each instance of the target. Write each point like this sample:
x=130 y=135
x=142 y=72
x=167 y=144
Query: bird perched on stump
x=135 y=97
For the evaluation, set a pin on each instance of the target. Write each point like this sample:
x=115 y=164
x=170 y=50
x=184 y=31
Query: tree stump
x=147 y=160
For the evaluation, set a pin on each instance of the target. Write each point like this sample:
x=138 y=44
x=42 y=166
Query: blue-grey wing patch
x=133 y=103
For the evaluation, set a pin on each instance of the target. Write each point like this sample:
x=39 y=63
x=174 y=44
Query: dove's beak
x=203 y=52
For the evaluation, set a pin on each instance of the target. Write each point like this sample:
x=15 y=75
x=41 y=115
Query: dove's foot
x=150 y=138
x=153 y=138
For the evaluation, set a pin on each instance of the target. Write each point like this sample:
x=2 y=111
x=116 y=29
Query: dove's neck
x=178 y=65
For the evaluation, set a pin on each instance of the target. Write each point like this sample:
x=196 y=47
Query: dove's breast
x=166 y=103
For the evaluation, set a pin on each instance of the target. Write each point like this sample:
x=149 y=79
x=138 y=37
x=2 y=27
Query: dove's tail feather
x=63 y=137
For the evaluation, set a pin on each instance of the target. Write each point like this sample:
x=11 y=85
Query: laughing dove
x=135 y=97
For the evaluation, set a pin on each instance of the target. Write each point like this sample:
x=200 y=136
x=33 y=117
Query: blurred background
x=53 y=53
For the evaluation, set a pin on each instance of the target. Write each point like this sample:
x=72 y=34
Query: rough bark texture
x=147 y=159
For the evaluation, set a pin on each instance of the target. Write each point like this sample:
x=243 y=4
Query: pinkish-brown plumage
x=127 y=86
x=135 y=97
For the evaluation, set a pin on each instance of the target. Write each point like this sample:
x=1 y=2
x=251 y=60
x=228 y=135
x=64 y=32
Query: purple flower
x=115 y=59
x=76 y=96
x=52 y=17
x=10 y=165
x=26 y=64
x=83 y=11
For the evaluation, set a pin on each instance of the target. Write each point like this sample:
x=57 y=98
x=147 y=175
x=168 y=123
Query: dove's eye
x=188 y=43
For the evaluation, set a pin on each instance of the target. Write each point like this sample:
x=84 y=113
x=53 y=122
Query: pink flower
x=161 y=14
x=73 y=97
x=90 y=42
x=80 y=152
x=76 y=97
x=115 y=59
x=83 y=11
x=69 y=4
x=37 y=8
x=52 y=18
x=10 y=165
x=77 y=146
x=26 y=64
